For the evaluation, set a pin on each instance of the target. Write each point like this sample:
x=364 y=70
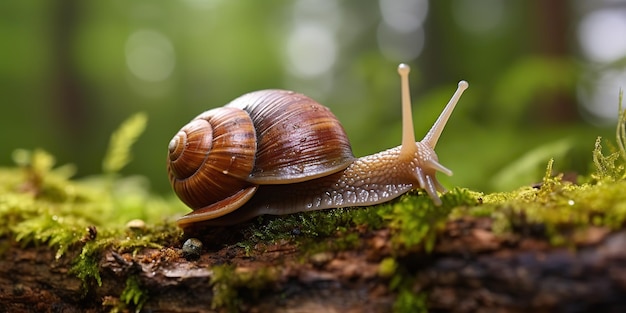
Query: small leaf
x=118 y=154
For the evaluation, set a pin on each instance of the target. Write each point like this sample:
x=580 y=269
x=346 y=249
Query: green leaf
x=118 y=154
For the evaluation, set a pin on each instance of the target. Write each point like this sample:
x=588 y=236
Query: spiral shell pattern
x=211 y=157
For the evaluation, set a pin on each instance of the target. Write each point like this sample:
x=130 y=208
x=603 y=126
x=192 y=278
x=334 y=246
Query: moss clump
x=41 y=205
x=557 y=209
x=86 y=266
x=413 y=218
x=306 y=228
x=613 y=166
x=416 y=220
x=133 y=295
x=387 y=267
x=408 y=301
x=402 y=282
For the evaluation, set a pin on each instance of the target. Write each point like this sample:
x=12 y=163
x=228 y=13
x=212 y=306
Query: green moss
x=387 y=267
x=306 y=229
x=41 y=205
x=402 y=282
x=86 y=266
x=34 y=217
x=609 y=167
x=556 y=209
x=408 y=301
x=133 y=295
x=613 y=166
x=413 y=218
x=416 y=220
x=231 y=283
x=50 y=229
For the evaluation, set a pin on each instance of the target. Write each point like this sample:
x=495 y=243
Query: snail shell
x=279 y=152
x=264 y=137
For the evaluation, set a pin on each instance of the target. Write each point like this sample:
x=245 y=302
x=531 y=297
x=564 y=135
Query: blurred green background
x=544 y=75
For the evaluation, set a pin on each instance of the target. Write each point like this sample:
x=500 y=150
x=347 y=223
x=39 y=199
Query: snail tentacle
x=421 y=154
x=433 y=134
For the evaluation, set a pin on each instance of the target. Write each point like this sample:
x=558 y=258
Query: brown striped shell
x=217 y=160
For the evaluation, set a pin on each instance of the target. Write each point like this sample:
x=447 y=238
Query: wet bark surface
x=470 y=270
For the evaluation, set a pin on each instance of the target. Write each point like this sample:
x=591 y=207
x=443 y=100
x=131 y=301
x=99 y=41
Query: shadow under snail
x=280 y=152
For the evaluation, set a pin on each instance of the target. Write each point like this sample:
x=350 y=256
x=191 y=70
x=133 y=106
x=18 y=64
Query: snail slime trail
x=280 y=152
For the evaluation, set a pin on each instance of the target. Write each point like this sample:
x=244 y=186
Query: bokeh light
x=602 y=38
x=479 y=16
x=150 y=55
x=400 y=35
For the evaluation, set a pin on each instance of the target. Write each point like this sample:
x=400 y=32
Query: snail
x=280 y=152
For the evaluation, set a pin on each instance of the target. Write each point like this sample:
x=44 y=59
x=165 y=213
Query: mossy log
x=470 y=269
x=107 y=245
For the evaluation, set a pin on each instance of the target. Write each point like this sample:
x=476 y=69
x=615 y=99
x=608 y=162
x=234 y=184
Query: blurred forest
x=544 y=75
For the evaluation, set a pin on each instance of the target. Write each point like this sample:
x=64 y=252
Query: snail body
x=280 y=152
